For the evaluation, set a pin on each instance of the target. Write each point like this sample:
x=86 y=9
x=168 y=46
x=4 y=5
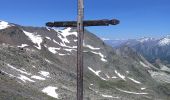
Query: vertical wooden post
x=80 y=31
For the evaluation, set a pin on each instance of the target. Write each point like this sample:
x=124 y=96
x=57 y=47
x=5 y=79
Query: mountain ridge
x=40 y=59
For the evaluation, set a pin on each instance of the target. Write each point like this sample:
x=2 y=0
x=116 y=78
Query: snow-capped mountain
x=39 y=63
x=164 y=41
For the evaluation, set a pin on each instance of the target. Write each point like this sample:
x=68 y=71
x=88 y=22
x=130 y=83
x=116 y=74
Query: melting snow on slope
x=108 y=96
x=24 y=78
x=144 y=65
x=48 y=61
x=4 y=25
x=96 y=73
x=50 y=90
x=37 y=77
x=121 y=76
x=64 y=45
x=143 y=88
x=37 y=39
x=48 y=37
x=21 y=71
x=114 y=77
x=90 y=47
x=10 y=75
x=44 y=73
x=66 y=32
x=134 y=80
x=69 y=50
x=23 y=45
x=131 y=92
x=53 y=49
x=101 y=55
x=63 y=35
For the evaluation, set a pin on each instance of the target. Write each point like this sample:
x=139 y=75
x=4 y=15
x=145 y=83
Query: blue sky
x=139 y=18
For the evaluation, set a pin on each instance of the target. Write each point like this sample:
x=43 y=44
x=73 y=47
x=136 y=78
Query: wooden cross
x=80 y=24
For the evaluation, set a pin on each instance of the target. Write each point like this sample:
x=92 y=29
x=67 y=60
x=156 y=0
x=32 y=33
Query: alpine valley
x=39 y=63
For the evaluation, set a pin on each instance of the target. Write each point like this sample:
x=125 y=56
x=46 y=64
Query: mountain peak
x=4 y=25
x=165 y=41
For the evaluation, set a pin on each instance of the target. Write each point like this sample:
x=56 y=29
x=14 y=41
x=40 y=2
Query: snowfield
x=37 y=39
x=50 y=90
x=96 y=73
x=24 y=78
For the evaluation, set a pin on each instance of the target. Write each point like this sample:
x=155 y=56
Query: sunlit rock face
x=39 y=63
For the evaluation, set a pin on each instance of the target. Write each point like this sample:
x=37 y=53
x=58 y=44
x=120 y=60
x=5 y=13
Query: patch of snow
x=143 y=88
x=134 y=80
x=23 y=45
x=44 y=73
x=50 y=90
x=4 y=25
x=107 y=76
x=48 y=61
x=91 y=84
x=108 y=96
x=144 y=65
x=37 y=77
x=96 y=73
x=114 y=77
x=90 y=47
x=63 y=35
x=66 y=32
x=21 y=71
x=121 y=76
x=48 y=37
x=69 y=50
x=24 y=78
x=127 y=72
x=37 y=39
x=33 y=66
x=94 y=90
x=64 y=45
x=63 y=54
x=10 y=75
x=75 y=40
x=131 y=92
x=101 y=55
x=53 y=49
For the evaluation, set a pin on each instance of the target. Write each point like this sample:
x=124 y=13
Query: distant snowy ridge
x=164 y=41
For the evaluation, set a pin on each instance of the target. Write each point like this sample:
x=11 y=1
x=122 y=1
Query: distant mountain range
x=152 y=49
x=39 y=63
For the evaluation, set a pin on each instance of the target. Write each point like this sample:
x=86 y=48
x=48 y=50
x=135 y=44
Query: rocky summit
x=39 y=63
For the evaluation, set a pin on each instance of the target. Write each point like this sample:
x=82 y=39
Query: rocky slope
x=39 y=63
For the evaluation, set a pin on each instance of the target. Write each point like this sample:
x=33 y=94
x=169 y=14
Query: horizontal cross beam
x=104 y=22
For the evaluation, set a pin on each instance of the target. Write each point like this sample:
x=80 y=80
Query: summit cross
x=80 y=24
